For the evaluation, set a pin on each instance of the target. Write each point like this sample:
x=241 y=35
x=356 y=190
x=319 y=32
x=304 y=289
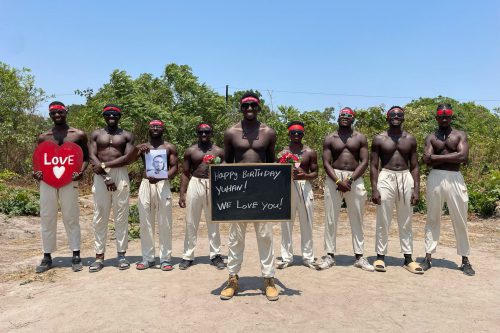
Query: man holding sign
x=155 y=198
x=67 y=195
x=250 y=141
x=111 y=150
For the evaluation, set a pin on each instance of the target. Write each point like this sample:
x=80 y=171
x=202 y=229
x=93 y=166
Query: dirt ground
x=342 y=298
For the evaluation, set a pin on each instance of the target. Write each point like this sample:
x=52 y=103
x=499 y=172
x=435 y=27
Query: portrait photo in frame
x=156 y=164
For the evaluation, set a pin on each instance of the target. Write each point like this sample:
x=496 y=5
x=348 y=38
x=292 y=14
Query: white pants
x=67 y=197
x=355 y=201
x=197 y=200
x=446 y=186
x=236 y=244
x=104 y=200
x=303 y=201
x=155 y=201
x=395 y=188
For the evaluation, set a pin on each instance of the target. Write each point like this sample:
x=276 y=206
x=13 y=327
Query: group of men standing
x=394 y=178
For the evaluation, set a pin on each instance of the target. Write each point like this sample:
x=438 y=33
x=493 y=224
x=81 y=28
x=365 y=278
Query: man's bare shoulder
x=380 y=136
x=359 y=135
x=459 y=133
x=78 y=132
x=169 y=146
x=408 y=136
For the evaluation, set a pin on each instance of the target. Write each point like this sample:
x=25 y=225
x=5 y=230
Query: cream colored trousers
x=155 y=203
x=303 y=202
x=447 y=186
x=395 y=188
x=355 y=201
x=67 y=197
x=197 y=200
x=104 y=200
x=236 y=244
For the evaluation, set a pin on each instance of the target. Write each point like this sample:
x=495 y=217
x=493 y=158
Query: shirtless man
x=445 y=150
x=302 y=198
x=345 y=159
x=250 y=141
x=111 y=149
x=397 y=183
x=66 y=196
x=195 y=173
x=155 y=200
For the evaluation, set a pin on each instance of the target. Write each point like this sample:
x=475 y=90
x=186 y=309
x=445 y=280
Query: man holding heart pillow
x=66 y=196
x=111 y=150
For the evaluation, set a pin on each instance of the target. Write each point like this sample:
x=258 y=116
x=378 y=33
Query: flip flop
x=96 y=266
x=144 y=265
x=123 y=263
x=379 y=265
x=166 y=266
x=414 y=268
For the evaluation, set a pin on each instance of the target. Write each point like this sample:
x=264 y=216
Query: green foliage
x=16 y=201
x=484 y=195
x=7 y=175
x=134 y=231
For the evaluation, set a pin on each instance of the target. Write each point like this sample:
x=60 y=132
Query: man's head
x=296 y=131
x=250 y=105
x=156 y=128
x=58 y=112
x=395 y=116
x=444 y=115
x=346 y=117
x=112 y=114
x=158 y=163
x=204 y=132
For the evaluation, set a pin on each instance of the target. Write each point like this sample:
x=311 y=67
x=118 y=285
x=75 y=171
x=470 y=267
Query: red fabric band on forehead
x=56 y=107
x=156 y=122
x=250 y=99
x=296 y=127
x=112 y=108
x=447 y=112
x=204 y=126
x=346 y=110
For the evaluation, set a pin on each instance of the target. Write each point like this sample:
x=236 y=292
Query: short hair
x=295 y=122
x=395 y=107
x=250 y=94
x=444 y=106
x=56 y=103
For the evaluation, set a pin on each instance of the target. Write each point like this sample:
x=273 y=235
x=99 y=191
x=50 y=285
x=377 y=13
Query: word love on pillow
x=57 y=163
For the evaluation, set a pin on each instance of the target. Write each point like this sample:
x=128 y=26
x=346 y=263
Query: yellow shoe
x=231 y=288
x=271 y=290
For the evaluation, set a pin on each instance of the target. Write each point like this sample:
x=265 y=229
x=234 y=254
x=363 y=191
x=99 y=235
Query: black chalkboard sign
x=250 y=192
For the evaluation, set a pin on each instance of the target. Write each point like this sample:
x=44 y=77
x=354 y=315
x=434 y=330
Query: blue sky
x=311 y=55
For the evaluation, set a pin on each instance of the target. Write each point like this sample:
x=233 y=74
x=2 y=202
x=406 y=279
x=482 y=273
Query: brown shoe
x=271 y=290
x=231 y=288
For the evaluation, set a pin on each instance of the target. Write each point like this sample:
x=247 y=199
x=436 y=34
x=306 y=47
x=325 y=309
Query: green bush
x=16 y=201
x=134 y=223
x=484 y=195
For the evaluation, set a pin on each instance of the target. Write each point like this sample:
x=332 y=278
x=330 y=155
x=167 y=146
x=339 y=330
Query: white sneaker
x=326 y=262
x=282 y=264
x=310 y=263
x=364 y=265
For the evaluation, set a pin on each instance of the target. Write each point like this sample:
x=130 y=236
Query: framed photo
x=156 y=164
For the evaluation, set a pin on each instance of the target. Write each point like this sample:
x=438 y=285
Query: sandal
x=414 y=268
x=379 y=265
x=166 y=266
x=96 y=266
x=123 y=263
x=144 y=265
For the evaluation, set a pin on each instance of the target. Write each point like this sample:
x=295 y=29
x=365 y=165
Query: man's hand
x=182 y=201
x=110 y=185
x=376 y=197
x=427 y=158
x=98 y=170
x=76 y=176
x=153 y=180
x=344 y=186
x=38 y=176
x=143 y=148
x=299 y=174
x=414 y=197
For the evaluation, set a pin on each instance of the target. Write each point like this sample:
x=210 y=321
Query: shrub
x=16 y=201
x=133 y=223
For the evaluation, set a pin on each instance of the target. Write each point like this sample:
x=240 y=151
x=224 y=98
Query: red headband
x=347 y=110
x=57 y=107
x=156 y=122
x=387 y=115
x=250 y=99
x=204 y=126
x=296 y=127
x=447 y=112
x=112 y=108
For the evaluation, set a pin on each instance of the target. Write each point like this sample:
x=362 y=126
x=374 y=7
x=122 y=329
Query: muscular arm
x=172 y=161
x=94 y=160
x=414 y=171
x=313 y=166
x=363 y=159
x=270 y=149
x=228 y=147
x=458 y=157
x=185 y=176
x=327 y=159
x=374 y=165
x=428 y=150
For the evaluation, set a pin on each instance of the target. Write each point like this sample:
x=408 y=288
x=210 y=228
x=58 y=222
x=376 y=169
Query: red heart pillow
x=57 y=163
